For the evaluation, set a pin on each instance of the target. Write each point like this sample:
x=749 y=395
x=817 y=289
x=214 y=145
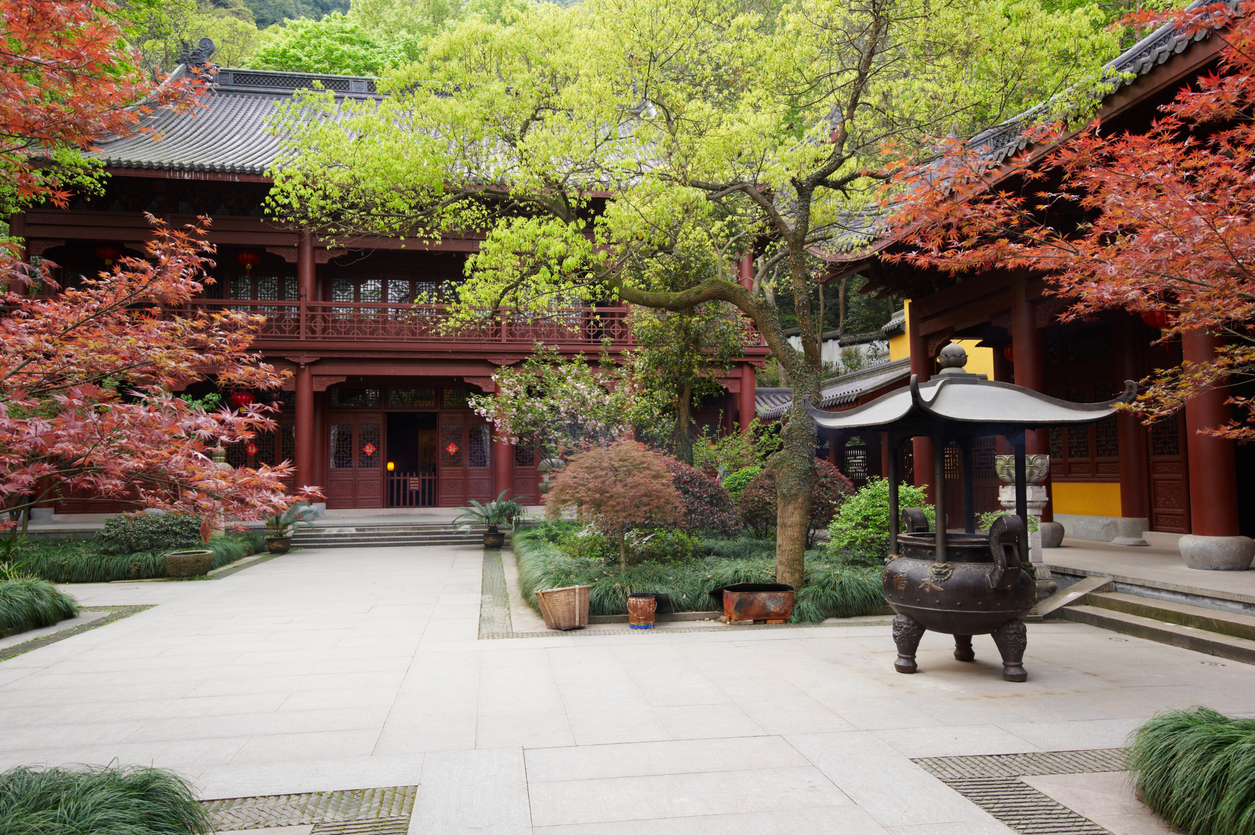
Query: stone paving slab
x=334 y=670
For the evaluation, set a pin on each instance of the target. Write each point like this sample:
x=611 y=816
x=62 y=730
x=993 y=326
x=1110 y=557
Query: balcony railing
x=343 y=322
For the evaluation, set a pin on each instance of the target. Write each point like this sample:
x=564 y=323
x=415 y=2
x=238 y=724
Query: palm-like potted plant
x=281 y=526
x=494 y=514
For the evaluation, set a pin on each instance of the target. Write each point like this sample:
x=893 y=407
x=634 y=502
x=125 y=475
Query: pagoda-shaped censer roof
x=954 y=399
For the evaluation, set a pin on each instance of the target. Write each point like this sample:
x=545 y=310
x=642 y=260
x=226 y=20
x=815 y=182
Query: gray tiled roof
x=229 y=133
x=771 y=403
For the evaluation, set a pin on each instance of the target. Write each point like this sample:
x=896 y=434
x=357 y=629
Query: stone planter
x=278 y=544
x=1217 y=553
x=494 y=539
x=188 y=563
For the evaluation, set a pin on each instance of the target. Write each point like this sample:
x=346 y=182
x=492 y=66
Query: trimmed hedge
x=132 y=533
x=79 y=562
x=114 y=800
x=831 y=589
x=1196 y=769
x=31 y=603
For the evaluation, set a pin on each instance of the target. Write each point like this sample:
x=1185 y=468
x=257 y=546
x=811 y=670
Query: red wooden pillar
x=921 y=367
x=1134 y=467
x=1030 y=368
x=746 y=407
x=304 y=426
x=502 y=466
x=1212 y=461
x=745 y=271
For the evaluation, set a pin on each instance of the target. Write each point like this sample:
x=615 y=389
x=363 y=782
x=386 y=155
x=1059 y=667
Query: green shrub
x=831 y=590
x=117 y=800
x=1196 y=769
x=861 y=526
x=30 y=603
x=736 y=482
x=759 y=500
x=131 y=533
x=706 y=505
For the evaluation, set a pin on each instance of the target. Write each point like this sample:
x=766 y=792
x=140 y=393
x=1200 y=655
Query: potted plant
x=492 y=515
x=281 y=526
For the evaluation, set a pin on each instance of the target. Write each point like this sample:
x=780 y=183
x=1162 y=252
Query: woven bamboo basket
x=565 y=608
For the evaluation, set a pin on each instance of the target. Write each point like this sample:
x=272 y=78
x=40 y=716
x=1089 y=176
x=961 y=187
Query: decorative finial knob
x=952 y=356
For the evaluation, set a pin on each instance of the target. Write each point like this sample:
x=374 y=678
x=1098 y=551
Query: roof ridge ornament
x=198 y=57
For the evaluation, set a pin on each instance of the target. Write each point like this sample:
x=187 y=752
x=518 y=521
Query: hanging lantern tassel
x=108 y=253
x=249 y=258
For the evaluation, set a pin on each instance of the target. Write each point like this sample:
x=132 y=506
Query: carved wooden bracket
x=322 y=256
x=485 y=384
x=303 y=359
x=732 y=384
x=287 y=253
x=322 y=381
x=936 y=340
x=1049 y=310
x=1002 y=319
x=507 y=359
x=39 y=246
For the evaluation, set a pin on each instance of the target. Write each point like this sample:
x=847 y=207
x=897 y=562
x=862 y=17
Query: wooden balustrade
x=346 y=322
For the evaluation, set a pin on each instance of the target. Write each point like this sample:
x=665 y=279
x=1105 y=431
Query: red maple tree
x=86 y=374
x=1160 y=222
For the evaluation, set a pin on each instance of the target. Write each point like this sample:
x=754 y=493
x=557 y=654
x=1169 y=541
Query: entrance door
x=465 y=471
x=355 y=466
x=411 y=459
x=1169 y=491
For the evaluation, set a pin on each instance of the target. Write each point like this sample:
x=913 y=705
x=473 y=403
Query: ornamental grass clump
x=29 y=603
x=114 y=800
x=620 y=487
x=1196 y=769
x=79 y=562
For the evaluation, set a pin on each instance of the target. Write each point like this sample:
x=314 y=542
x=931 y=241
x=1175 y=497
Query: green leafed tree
x=336 y=44
x=580 y=138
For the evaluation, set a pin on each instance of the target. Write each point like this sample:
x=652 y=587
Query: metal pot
x=980 y=589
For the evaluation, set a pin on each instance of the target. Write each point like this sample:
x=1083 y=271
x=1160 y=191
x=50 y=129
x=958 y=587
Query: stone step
x=1209 y=620
x=1165 y=632
x=400 y=543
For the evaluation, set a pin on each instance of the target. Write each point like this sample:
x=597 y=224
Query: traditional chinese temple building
x=1117 y=480
x=375 y=410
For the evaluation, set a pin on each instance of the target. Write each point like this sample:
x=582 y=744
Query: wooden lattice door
x=1169 y=488
x=355 y=465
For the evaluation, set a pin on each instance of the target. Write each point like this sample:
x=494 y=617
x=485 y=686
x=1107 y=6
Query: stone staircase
x=1201 y=622
x=327 y=534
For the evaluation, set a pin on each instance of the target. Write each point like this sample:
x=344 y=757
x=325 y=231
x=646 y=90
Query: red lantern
x=108 y=253
x=1009 y=353
x=1157 y=319
x=240 y=399
x=249 y=258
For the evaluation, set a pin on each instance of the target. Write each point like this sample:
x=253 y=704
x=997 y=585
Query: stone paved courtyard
x=333 y=671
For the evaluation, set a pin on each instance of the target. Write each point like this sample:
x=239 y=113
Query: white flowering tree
x=558 y=405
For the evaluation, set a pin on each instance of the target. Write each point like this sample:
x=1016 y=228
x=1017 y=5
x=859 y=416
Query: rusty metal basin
x=748 y=602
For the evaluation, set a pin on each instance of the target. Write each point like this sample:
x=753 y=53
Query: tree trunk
x=623 y=549
x=794 y=470
x=683 y=424
x=841 y=305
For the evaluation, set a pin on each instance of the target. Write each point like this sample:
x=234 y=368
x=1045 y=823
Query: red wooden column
x=921 y=367
x=1030 y=367
x=502 y=466
x=304 y=426
x=747 y=408
x=1134 y=467
x=1212 y=461
x=306 y=279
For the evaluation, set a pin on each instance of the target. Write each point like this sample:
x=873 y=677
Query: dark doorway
x=411 y=448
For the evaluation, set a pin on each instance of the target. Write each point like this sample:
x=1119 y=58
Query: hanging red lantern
x=240 y=399
x=1009 y=353
x=249 y=258
x=1157 y=319
x=108 y=253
